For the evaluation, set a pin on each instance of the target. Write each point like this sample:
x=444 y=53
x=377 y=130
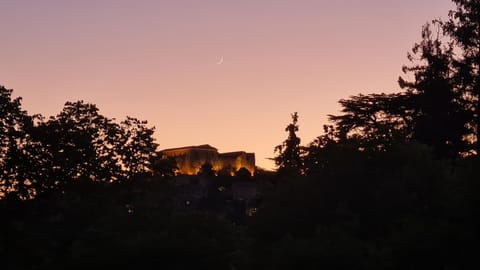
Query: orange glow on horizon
x=158 y=61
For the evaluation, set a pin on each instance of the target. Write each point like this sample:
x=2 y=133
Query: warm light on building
x=191 y=158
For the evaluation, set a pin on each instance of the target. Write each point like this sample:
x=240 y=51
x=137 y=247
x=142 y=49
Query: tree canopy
x=289 y=158
x=391 y=183
x=78 y=144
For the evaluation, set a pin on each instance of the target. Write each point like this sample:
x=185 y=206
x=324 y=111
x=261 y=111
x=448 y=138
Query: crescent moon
x=220 y=61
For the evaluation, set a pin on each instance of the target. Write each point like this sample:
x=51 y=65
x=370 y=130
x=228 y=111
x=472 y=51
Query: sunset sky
x=223 y=72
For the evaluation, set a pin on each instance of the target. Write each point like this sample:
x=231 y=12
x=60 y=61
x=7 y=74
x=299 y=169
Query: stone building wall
x=191 y=158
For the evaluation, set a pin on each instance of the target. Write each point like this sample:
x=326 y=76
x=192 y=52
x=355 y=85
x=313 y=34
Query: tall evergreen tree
x=440 y=118
x=463 y=27
x=289 y=158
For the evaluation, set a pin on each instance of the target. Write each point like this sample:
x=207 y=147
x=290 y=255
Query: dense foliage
x=289 y=159
x=392 y=183
x=79 y=144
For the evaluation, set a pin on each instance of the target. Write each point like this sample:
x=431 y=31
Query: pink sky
x=158 y=61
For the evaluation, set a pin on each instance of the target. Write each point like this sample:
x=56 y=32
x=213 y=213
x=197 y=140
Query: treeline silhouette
x=392 y=183
x=78 y=144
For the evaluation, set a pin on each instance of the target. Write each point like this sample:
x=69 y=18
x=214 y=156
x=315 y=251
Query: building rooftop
x=202 y=147
x=236 y=153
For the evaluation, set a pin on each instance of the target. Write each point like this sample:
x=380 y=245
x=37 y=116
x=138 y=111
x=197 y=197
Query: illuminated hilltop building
x=191 y=158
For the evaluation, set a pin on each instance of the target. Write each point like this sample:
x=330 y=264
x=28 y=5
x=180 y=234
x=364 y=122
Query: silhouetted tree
x=289 y=158
x=226 y=171
x=243 y=173
x=82 y=143
x=375 y=121
x=440 y=118
x=137 y=147
x=24 y=163
x=164 y=167
x=206 y=170
x=87 y=145
x=463 y=27
x=435 y=109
